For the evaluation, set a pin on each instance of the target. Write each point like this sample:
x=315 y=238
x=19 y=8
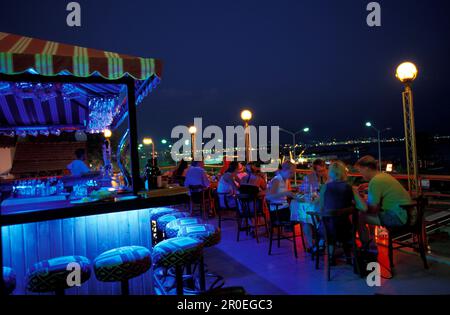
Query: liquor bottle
x=157 y=178
x=148 y=175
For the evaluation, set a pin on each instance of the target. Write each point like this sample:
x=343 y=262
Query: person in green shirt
x=385 y=197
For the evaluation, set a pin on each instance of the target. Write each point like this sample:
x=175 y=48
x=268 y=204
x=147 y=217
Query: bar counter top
x=60 y=209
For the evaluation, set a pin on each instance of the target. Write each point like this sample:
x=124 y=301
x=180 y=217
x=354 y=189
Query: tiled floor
x=248 y=264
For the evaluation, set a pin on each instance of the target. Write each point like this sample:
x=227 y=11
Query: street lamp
x=246 y=116
x=370 y=125
x=293 y=134
x=149 y=141
x=107 y=133
x=192 y=131
x=407 y=73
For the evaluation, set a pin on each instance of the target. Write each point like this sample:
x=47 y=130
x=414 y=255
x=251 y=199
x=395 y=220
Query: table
x=300 y=209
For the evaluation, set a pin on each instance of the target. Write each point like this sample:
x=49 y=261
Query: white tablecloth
x=299 y=210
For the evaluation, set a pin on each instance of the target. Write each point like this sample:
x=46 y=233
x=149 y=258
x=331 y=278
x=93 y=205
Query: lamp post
x=293 y=134
x=149 y=141
x=246 y=116
x=370 y=125
x=192 y=131
x=407 y=73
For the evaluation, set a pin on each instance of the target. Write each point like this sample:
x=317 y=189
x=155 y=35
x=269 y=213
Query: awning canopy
x=34 y=107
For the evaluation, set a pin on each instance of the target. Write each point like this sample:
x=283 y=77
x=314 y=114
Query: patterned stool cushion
x=122 y=263
x=51 y=275
x=9 y=277
x=207 y=233
x=162 y=221
x=176 y=251
x=156 y=213
x=173 y=226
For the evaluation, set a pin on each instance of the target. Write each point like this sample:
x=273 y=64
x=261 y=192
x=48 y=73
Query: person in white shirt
x=196 y=176
x=77 y=167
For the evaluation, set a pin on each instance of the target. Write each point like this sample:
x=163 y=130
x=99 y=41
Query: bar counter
x=35 y=232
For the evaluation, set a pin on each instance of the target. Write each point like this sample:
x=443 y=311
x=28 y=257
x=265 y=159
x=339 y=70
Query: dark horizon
x=294 y=63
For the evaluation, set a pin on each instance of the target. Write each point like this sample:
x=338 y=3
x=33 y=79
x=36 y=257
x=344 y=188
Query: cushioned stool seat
x=51 y=275
x=121 y=264
x=207 y=233
x=177 y=252
x=9 y=277
x=155 y=214
x=162 y=221
x=174 y=226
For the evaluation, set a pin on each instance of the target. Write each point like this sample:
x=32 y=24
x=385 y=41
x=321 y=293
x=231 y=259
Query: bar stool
x=162 y=221
x=9 y=278
x=122 y=264
x=155 y=214
x=175 y=253
x=209 y=235
x=174 y=226
x=51 y=275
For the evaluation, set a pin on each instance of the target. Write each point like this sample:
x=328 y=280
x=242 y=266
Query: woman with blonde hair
x=337 y=194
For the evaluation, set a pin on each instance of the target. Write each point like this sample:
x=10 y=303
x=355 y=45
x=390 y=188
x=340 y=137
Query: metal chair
x=278 y=223
x=415 y=227
x=318 y=217
x=222 y=207
x=199 y=195
x=250 y=205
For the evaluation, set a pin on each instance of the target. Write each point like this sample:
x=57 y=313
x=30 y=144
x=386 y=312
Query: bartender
x=77 y=167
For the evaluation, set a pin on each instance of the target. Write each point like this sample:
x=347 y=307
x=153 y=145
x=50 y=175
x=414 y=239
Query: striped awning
x=19 y=54
x=64 y=106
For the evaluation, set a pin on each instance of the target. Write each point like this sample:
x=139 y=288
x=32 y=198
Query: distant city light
x=186 y=142
x=163 y=141
x=368 y=124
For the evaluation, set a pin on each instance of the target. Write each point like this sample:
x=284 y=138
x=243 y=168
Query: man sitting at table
x=385 y=197
x=196 y=176
x=77 y=167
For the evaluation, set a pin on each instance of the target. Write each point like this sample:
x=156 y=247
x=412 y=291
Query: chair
x=155 y=214
x=318 y=217
x=174 y=226
x=51 y=275
x=221 y=205
x=278 y=223
x=415 y=227
x=210 y=236
x=162 y=222
x=249 y=204
x=122 y=264
x=199 y=195
x=9 y=278
x=175 y=253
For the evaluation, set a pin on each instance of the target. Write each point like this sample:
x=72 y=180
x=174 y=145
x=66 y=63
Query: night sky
x=294 y=63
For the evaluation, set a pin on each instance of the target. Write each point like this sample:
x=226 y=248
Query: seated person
x=77 y=167
x=196 y=176
x=179 y=173
x=337 y=194
x=278 y=193
x=254 y=177
x=385 y=196
x=227 y=187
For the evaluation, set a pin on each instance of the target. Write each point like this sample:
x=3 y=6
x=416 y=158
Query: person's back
x=337 y=195
x=390 y=194
x=196 y=176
